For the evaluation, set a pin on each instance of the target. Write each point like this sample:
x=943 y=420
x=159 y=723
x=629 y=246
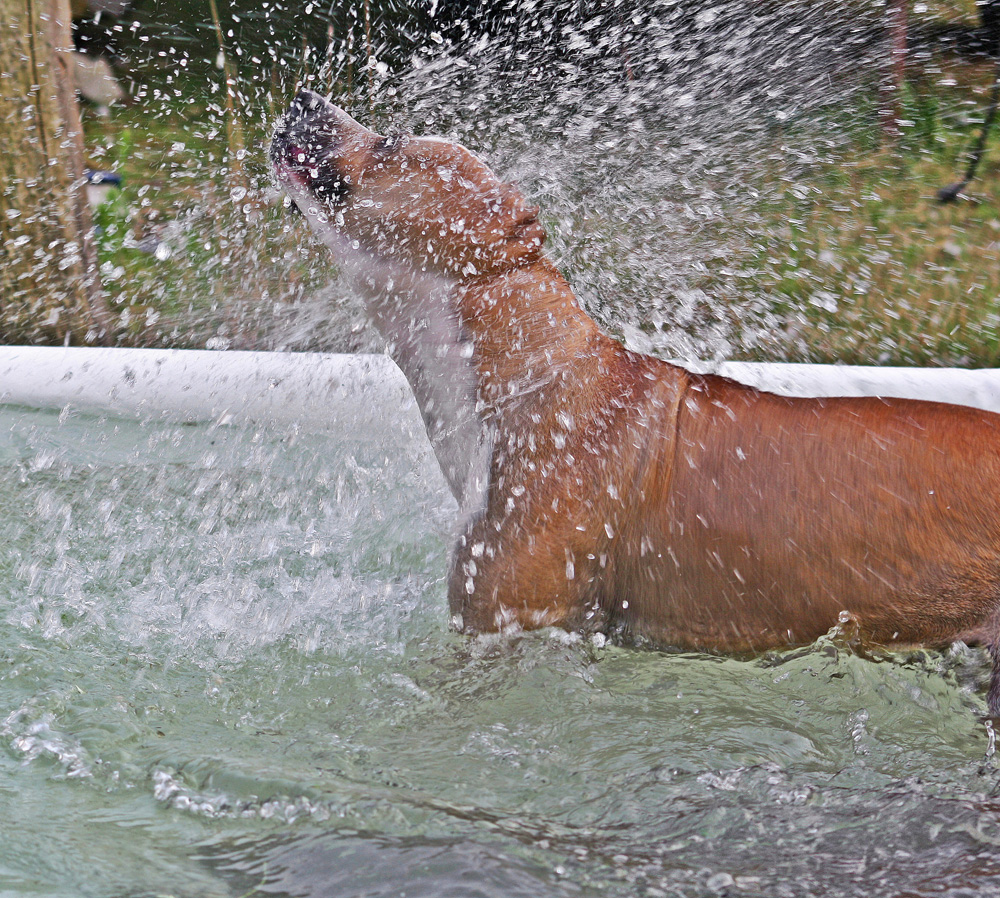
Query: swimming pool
x=226 y=669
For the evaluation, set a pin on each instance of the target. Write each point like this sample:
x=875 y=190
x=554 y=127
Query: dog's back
x=781 y=513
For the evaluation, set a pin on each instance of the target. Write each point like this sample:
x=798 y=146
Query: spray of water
x=649 y=136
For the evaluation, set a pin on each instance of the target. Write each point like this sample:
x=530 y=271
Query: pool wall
x=365 y=393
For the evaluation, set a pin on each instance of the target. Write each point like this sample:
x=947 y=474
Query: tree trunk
x=893 y=69
x=989 y=11
x=49 y=284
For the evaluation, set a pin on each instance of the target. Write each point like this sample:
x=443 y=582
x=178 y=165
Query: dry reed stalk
x=368 y=57
x=234 y=131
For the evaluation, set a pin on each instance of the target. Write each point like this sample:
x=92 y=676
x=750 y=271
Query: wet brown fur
x=628 y=494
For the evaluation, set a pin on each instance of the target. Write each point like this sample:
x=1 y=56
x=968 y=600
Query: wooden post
x=370 y=62
x=893 y=69
x=49 y=283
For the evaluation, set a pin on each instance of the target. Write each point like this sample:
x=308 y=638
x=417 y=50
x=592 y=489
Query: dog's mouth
x=303 y=149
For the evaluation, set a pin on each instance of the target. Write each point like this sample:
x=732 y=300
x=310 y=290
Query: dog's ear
x=527 y=228
x=520 y=217
x=526 y=235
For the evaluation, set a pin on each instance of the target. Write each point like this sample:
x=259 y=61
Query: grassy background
x=194 y=247
x=860 y=261
x=838 y=255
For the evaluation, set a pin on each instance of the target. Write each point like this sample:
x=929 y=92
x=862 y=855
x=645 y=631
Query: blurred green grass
x=847 y=257
x=195 y=246
x=859 y=260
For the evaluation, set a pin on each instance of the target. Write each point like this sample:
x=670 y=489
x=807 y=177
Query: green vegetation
x=849 y=258
x=193 y=248
x=861 y=262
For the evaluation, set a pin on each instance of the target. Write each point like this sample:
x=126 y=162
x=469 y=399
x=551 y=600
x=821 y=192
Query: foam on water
x=226 y=665
x=225 y=540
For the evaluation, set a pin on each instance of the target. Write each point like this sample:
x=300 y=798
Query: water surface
x=225 y=669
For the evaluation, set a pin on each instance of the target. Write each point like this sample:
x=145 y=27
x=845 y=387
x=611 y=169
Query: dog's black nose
x=310 y=104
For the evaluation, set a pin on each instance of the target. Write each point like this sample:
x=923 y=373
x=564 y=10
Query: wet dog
x=604 y=490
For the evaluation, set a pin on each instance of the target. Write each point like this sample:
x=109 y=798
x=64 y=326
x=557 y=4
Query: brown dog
x=605 y=490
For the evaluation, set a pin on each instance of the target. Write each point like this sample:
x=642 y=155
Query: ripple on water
x=228 y=667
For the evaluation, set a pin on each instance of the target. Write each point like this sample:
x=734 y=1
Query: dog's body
x=606 y=490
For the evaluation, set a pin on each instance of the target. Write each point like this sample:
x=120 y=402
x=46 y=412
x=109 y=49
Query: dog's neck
x=489 y=358
x=530 y=335
x=416 y=313
x=496 y=356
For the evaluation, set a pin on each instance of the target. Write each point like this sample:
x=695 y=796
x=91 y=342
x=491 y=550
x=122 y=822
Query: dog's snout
x=307 y=143
x=307 y=132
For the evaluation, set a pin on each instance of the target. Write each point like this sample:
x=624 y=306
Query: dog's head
x=423 y=201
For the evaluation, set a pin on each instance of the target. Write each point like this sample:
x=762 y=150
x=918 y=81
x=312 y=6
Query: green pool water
x=226 y=670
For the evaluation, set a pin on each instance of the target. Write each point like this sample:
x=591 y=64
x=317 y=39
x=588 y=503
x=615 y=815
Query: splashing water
x=225 y=667
x=643 y=135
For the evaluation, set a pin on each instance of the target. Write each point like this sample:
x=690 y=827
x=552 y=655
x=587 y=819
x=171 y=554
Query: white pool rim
x=364 y=394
